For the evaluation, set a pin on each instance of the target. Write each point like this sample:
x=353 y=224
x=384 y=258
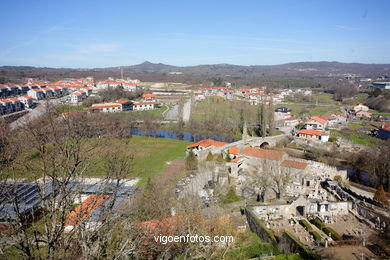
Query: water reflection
x=186 y=136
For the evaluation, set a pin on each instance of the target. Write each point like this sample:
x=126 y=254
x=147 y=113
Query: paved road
x=37 y=111
x=173 y=113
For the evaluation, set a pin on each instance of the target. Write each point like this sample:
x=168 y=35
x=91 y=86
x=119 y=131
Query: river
x=182 y=135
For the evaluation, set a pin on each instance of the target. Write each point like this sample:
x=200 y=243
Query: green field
x=150 y=156
x=356 y=136
x=311 y=110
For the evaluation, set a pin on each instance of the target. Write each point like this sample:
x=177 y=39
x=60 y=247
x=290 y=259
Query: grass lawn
x=150 y=156
x=324 y=98
x=312 y=110
x=68 y=108
x=356 y=136
x=140 y=115
x=378 y=113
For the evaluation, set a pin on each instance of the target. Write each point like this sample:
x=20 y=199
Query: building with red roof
x=315 y=123
x=313 y=134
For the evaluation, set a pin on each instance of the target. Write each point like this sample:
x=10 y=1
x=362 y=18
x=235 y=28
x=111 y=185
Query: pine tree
x=380 y=195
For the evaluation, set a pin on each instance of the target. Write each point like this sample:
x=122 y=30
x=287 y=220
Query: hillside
x=154 y=71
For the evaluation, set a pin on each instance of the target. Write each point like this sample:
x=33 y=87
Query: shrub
x=318 y=223
x=317 y=236
x=306 y=225
x=380 y=195
x=333 y=234
x=231 y=196
x=209 y=157
x=332 y=139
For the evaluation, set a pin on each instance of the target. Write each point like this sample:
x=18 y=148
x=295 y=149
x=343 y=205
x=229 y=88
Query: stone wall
x=287 y=243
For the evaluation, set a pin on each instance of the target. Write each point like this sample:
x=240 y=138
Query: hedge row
x=318 y=223
x=306 y=225
x=333 y=234
x=304 y=251
x=327 y=230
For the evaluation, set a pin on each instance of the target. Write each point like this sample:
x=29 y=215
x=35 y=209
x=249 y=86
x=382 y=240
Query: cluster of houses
x=361 y=111
x=16 y=97
x=11 y=105
x=315 y=127
x=128 y=84
x=148 y=102
x=254 y=96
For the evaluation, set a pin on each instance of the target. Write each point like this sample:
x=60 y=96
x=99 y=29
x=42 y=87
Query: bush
x=380 y=195
x=209 y=157
x=316 y=236
x=333 y=234
x=332 y=139
x=231 y=196
x=306 y=225
x=318 y=223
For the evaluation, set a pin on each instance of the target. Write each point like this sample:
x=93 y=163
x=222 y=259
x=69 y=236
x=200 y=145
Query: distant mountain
x=321 y=68
x=298 y=69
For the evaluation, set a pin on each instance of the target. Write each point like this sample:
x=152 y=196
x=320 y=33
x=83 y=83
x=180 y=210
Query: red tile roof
x=328 y=117
x=263 y=153
x=312 y=132
x=84 y=211
x=123 y=101
x=148 y=95
x=234 y=150
x=104 y=106
x=341 y=114
x=144 y=103
x=207 y=143
x=14 y=99
x=294 y=164
x=318 y=119
x=290 y=118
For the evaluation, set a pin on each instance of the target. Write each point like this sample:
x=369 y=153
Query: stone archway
x=265 y=145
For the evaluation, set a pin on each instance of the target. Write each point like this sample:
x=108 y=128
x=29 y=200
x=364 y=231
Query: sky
x=92 y=34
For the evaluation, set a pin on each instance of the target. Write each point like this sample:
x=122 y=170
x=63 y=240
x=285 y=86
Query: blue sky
x=113 y=33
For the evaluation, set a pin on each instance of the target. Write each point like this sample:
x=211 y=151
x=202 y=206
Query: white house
x=360 y=107
x=106 y=108
x=36 y=94
x=27 y=101
x=313 y=134
x=17 y=105
x=144 y=105
x=76 y=97
x=315 y=123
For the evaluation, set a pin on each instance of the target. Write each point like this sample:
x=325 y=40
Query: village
x=296 y=204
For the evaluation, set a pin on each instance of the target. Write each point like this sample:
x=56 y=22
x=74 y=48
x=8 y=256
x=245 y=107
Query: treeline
x=111 y=95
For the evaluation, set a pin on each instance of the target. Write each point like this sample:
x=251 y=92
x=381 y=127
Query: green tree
x=191 y=161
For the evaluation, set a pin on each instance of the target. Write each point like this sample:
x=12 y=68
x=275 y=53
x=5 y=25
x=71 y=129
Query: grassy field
x=356 y=136
x=68 y=108
x=312 y=110
x=150 y=156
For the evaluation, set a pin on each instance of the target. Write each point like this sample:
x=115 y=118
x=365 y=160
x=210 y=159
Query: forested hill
x=299 y=69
